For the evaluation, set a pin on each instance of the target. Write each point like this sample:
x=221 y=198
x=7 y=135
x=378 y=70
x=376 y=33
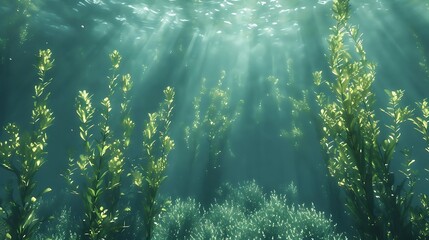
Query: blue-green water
x=265 y=52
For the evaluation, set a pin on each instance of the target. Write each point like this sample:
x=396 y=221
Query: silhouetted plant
x=22 y=155
x=207 y=137
x=149 y=175
x=357 y=159
x=214 y=115
x=293 y=105
x=298 y=106
x=102 y=162
x=423 y=61
x=16 y=14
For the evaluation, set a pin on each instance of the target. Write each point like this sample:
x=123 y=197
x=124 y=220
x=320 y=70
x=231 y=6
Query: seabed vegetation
x=120 y=194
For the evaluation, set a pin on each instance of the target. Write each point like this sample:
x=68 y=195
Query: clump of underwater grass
x=60 y=228
x=227 y=217
x=233 y=217
x=181 y=219
x=248 y=196
x=22 y=155
x=279 y=219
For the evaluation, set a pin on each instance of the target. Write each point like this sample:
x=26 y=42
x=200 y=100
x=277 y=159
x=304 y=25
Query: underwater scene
x=217 y=119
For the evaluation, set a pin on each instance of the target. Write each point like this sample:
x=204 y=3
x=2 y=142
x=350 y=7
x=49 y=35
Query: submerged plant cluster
x=23 y=154
x=16 y=29
x=97 y=175
x=120 y=197
x=360 y=152
x=244 y=212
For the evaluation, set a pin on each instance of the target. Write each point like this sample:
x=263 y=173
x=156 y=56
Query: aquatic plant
x=22 y=154
x=60 y=227
x=298 y=106
x=274 y=91
x=272 y=218
x=17 y=14
x=149 y=175
x=358 y=160
x=279 y=219
x=291 y=192
x=422 y=123
x=423 y=61
x=248 y=196
x=274 y=101
x=3 y=226
x=207 y=136
x=214 y=115
x=206 y=230
x=420 y=215
x=179 y=220
x=228 y=218
x=102 y=162
x=313 y=223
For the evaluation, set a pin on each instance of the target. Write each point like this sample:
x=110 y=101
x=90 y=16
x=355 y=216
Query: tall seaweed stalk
x=149 y=175
x=420 y=215
x=23 y=154
x=358 y=160
x=102 y=162
x=213 y=119
x=212 y=123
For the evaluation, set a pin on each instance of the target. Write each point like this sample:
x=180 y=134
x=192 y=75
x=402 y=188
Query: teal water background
x=179 y=43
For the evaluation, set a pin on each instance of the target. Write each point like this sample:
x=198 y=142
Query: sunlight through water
x=245 y=99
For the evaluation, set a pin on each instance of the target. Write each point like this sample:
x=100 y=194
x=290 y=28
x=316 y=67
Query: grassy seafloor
x=220 y=91
x=239 y=212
